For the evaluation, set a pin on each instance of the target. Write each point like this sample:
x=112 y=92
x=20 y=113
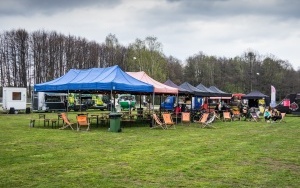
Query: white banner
x=273 y=96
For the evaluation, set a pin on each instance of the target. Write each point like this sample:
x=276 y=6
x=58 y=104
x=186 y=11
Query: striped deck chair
x=168 y=120
x=186 y=117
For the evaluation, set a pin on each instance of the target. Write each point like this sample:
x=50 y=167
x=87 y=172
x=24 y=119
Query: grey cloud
x=215 y=8
x=219 y=10
x=49 y=7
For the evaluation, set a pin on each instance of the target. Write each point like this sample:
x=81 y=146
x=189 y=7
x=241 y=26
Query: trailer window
x=49 y=98
x=16 y=96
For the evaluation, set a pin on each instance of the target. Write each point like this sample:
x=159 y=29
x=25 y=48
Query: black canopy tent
x=220 y=93
x=210 y=93
x=181 y=91
x=254 y=95
x=253 y=98
x=193 y=90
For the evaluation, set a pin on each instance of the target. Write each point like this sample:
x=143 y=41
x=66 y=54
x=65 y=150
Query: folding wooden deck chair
x=217 y=115
x=254 y=116
x=210 y=120
x=186 y=117
x=226 y=116
x=236 y=115
x=157 y=122
x=282 y=118
x=66 y=122
x=83 y=121
x=203 y=119
x=168 y=120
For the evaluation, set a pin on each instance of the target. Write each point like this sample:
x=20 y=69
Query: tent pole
x=191 y=97
x=80 y=101
x=153 y=102
x=111 y=95
x=160 y=104
x=153 y=107
x=68 y=101
x=176 y=107
x=140 y=100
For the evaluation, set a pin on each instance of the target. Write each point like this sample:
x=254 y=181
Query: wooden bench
x=53 y=122
x=31 y=122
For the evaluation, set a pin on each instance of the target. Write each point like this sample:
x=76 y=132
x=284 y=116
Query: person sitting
x=183 y=108
x=267 y=115
x=276 y=115
x=177 y=109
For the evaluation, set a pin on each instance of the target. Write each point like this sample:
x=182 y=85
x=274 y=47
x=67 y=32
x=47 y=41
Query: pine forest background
x=28 y=58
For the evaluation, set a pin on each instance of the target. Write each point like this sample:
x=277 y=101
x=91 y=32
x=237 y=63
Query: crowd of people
x=272 y=115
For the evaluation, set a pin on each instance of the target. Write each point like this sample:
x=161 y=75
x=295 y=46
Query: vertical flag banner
x=273 y=96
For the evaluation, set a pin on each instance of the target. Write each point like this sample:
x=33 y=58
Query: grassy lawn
x=234 y=154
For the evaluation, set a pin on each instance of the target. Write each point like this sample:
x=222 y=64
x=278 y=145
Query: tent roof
x=220 y=92
x=255 y=95
x=180 y=89
x=203 y=88
x=193 y=89
x=95 y=79
x=158 y=87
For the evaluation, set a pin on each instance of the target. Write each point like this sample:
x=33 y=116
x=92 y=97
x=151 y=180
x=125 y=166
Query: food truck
x=290 y=104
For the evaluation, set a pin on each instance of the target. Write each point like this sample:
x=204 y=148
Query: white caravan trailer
x=14 y=99
x=47 y=102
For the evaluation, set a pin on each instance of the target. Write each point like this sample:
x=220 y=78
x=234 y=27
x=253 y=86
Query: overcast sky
x=184 y=27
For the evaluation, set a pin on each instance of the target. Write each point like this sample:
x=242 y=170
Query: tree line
x=28 y=58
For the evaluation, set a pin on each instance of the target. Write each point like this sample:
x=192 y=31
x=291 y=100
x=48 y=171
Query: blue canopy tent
x=95 y=79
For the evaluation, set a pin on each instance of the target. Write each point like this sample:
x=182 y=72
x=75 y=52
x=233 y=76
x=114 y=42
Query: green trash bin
x=115 y=121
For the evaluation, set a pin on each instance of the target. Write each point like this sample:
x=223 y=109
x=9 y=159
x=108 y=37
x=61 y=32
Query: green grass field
x=234 y=154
